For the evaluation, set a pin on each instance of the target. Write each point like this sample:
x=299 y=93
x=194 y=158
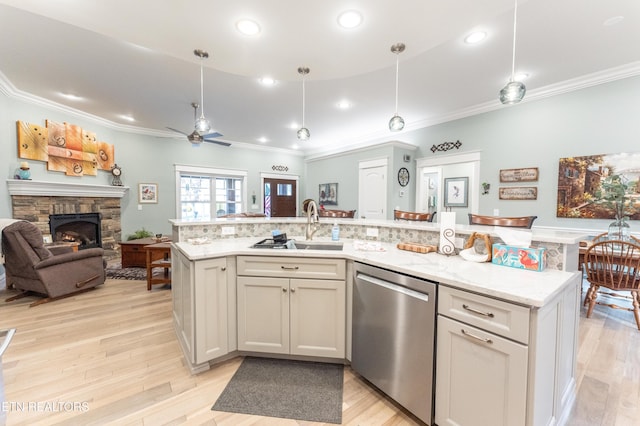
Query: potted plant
x=613 y=193
x=140 y=233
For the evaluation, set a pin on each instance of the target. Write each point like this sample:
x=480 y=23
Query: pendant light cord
x=201 y=89
x=397 y=71
x=513 y=61
x=303 y=97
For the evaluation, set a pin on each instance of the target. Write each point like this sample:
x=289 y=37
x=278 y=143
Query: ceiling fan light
x=512 y=93
x=396 y=123
x=304 y=134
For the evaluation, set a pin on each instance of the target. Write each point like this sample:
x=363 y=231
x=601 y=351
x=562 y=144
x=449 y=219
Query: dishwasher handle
x=8 y=335
x=393 y=287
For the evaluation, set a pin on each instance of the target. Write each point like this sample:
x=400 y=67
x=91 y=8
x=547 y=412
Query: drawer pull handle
x=290 y=268
x=475 y=311
x=483 y=340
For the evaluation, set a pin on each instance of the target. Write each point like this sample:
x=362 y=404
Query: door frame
x=264 y=176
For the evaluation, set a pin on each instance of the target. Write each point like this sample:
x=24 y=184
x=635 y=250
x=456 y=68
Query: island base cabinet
x=291 y=316
x=481 y=378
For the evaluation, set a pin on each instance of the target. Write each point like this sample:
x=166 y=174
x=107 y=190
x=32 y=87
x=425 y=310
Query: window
x=207 y=193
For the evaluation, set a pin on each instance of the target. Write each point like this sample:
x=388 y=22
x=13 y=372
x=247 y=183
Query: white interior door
x=372 y=189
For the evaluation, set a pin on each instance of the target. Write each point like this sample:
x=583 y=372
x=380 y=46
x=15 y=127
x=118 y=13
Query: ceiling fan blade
x=218 y=142
x=212 y=135
x=179 y=131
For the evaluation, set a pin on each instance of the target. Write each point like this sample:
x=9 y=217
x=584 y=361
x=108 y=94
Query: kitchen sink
x=317 y=245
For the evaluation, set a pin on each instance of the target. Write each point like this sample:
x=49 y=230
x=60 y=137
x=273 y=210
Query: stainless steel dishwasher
x=394 y=336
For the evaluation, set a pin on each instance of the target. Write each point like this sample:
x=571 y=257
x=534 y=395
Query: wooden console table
x=158 y=256
x=133 y=254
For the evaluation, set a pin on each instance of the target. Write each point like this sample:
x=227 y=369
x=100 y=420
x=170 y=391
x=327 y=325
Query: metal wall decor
x=279 y=168
x=446 y=146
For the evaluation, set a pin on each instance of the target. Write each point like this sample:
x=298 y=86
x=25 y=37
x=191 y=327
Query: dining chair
x=510 y=222
x=615 y=265
x=416 y=216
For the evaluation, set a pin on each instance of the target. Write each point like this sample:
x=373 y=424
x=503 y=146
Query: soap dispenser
x=335 y=232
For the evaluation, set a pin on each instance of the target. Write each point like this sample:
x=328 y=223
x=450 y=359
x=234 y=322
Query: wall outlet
x=228 y=230
x=459 y=242
x=372 y=232
x=496 y=212
x=139 y=206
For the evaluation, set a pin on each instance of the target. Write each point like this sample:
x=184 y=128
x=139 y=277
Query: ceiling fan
x=195 y=137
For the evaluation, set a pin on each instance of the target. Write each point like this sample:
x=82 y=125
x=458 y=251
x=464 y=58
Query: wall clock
x=403 y=176
x=116 y=172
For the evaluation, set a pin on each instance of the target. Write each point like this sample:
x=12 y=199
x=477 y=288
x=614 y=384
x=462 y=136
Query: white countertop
x=525 y=287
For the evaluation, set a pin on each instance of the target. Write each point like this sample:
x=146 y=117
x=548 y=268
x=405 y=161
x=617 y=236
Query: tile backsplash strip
x=392 y=233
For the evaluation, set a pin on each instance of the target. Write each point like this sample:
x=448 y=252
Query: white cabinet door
x=318 y=317
x=263 y=314
x=211 y=310
x=481 y=378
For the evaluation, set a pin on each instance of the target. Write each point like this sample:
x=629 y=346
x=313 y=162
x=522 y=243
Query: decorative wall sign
x=456 y=192
x=518 y=193
x=446 y=146
x=580 y=180
x=147 y=193
x=328 y=194
x=65 y=147
x=279 y=168
x=528 y=174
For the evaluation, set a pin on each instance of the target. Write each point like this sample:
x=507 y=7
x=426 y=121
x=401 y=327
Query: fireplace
x=82 y=228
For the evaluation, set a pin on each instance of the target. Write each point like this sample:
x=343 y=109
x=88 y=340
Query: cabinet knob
x=284 y=289
x=224 y=268
x=293 y=290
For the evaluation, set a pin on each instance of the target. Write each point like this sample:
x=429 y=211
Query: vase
x=619 y=229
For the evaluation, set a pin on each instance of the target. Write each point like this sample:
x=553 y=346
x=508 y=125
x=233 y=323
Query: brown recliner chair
x=32 y=268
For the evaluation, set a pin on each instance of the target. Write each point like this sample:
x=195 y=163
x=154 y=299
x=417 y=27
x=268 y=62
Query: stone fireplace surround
x=35 y=200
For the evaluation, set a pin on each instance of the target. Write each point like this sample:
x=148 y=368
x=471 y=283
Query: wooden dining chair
x=509 y=222
x=416 y=216
x=615 y=265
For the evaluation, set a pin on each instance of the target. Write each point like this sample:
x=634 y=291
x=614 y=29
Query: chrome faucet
x=312 y=217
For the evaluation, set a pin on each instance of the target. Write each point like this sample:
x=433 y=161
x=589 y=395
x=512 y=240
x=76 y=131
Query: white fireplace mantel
x=63 y=189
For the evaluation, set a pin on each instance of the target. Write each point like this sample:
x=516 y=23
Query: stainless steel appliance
x=394 y=336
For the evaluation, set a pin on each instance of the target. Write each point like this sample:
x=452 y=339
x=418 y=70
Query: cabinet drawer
x=496 y=316
x=291 y=267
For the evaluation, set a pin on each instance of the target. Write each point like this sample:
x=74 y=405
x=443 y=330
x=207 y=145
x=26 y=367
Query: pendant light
x=202 y=124
x=303 y=133
x=514 y=91
x=397 y=123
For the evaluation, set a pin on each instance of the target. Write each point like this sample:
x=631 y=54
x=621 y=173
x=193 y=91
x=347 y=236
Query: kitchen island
x=526 y=325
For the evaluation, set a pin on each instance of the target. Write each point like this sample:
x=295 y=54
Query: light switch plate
x=372 y=232
x=228 y=230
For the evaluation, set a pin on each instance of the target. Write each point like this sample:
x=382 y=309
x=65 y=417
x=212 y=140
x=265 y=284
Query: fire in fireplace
x=82 y=228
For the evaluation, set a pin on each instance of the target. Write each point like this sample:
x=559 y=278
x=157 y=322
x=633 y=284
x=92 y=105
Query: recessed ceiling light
x=248 y=27
x=294 y=125
x=475 y=37
x=613 y=21
x=267 y=81
x=521 y=76
x=294 y=146
x=127 y=117
x=263 y=139
x=71 y=96
x=350 y=19
x=344 y=104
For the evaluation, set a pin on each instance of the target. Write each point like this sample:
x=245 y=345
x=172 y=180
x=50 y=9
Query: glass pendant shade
x=203 y=125
x=396 y=123
x=512 y=93
x=304 y=134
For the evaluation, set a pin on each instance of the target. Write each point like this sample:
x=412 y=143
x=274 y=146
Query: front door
x=280 y=197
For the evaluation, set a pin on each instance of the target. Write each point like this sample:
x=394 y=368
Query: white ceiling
x=136 y=58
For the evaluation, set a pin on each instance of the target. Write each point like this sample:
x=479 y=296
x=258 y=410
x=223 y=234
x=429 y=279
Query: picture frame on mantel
x=456 y=192
x=147 y=193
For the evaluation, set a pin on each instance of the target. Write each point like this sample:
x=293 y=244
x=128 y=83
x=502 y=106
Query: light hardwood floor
x=110 y=356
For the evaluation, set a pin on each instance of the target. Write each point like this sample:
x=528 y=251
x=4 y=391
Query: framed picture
x=328 y=194
x=456 y=191
x=147 y=193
